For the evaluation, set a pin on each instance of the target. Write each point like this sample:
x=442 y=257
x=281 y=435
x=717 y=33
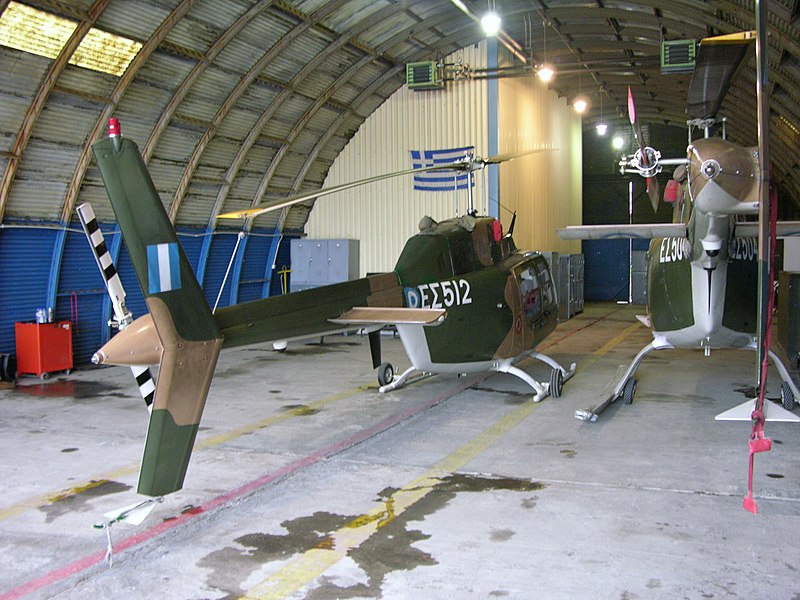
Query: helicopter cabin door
x=531 y=296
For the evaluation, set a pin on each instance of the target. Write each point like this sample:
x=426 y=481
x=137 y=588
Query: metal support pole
x=764 y=243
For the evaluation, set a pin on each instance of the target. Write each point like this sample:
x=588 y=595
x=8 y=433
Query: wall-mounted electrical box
x=423 y=75
x=678 y=56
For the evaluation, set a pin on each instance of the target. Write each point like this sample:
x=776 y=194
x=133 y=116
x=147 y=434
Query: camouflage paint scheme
x=465 y=266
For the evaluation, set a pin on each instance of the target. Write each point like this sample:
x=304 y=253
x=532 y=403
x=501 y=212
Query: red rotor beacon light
x=114 y=128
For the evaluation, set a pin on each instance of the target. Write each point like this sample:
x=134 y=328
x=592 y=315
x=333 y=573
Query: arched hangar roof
x=244 y=102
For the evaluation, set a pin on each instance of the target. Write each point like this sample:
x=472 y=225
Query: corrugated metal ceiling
x=246 y=101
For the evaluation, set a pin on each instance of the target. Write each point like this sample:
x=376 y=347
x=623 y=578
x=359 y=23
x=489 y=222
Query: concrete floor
x=307 y=483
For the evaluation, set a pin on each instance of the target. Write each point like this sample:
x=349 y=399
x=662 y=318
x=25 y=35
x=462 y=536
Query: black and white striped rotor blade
x=122 y=316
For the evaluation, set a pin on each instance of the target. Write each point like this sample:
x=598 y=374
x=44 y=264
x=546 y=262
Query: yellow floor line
x=609 y=345
x=35 y=502
x=305 y=568
x=221 y=438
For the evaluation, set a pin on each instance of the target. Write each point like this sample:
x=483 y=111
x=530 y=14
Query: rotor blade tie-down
x=758 y=442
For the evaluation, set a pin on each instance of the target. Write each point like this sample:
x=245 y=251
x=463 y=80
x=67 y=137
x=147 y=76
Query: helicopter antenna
x=513 y=222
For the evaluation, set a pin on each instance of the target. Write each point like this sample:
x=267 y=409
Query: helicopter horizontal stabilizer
x=363 y=315
x=636 y=232
x=744 y=412
x=784 y=229
x=187 y=333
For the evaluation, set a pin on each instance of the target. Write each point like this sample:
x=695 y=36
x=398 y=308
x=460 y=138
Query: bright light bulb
x=580 y=105
x=545 y=73
x=601 y=128
x=617 y=142
x=491 y=23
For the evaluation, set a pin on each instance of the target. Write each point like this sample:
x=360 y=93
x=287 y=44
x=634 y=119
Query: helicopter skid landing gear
x=557 y=376
x=398 y=382
x=626 y=385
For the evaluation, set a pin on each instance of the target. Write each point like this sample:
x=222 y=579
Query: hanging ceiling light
x=602 y=126
x=544 y=72
x=491 y=20
x=617 y=142
x=490 y=23
x=580 y=103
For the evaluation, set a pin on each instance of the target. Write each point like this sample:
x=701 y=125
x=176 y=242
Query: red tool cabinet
x=43 y=348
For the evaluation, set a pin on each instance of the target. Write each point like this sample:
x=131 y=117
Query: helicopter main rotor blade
x=465 y=164
x=292 y=200
x=506 y=156
x=718 y=59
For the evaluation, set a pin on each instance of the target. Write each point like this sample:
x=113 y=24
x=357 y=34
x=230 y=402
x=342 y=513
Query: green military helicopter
x=452 y=279
x=702 y=271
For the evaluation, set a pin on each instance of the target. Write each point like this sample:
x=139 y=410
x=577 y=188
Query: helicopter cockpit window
x=546 y=284
x=463 y=254
x=531 y=295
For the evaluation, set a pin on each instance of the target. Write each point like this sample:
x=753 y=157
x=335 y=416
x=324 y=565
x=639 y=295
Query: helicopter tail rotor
x=646 y=159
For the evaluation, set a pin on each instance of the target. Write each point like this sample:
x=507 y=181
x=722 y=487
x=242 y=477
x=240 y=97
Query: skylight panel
x=31 y=30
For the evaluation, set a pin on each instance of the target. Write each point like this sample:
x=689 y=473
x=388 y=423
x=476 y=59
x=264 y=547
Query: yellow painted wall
x=545 y=188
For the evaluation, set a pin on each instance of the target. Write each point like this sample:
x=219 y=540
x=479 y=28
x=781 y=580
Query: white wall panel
x=384 y=215
x=545 y=189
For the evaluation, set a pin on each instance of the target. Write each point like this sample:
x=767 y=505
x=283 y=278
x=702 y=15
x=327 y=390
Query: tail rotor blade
x=122 y=316
x=631 y=107
x=637 y=128
x=653 y=188
x=653 y=192
x=146 y=383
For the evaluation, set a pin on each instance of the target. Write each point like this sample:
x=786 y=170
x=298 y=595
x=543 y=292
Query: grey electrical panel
x=639 y=276
x=322 y=262
x=568 y=273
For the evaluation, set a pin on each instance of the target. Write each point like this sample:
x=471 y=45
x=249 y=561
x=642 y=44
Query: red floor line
x=93 y=559
x=571 y=333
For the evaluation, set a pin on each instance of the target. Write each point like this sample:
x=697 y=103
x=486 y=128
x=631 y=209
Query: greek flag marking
x=444 y=180
x=163 y=268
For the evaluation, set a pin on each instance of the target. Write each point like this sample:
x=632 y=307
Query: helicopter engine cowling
x=723 y=177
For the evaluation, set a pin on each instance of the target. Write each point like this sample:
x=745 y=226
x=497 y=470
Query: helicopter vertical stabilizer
x=188 y=336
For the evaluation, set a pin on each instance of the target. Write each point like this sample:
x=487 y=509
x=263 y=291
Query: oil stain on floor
x=78 y=499
x=88 y=391
x=390 y=548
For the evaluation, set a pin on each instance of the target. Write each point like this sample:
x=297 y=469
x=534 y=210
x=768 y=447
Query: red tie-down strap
x=759 y=443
